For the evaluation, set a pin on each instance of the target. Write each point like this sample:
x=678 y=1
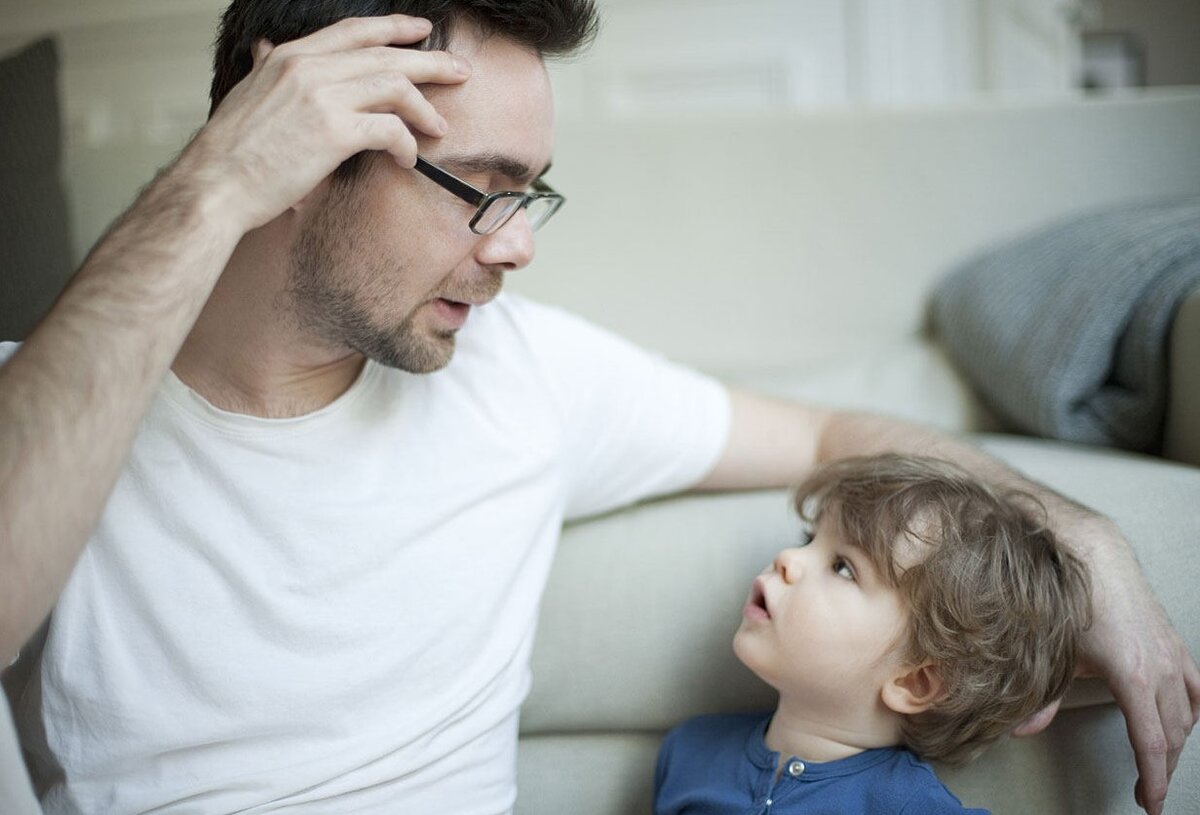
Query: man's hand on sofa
x=1135 y=649
x=1146 y=664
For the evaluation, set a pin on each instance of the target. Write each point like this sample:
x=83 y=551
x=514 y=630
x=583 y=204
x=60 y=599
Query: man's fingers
x=1150 y=750
x=384 y=131
x=1177 y=708
x=1039 y=721
x=376 y=80
x=419 y=66
x=1191 y=679
x=361 y=32
x=1176 y=716
x=388 y=93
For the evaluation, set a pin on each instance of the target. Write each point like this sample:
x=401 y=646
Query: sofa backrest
x=774 y=241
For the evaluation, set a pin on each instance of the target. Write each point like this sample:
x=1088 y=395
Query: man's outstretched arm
x=1156 y=682
x=72 y=397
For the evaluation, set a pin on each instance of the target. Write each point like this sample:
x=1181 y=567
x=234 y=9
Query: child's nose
x=788 y=564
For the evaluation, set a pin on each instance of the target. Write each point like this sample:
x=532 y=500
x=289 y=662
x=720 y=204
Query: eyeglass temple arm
x=455 y=185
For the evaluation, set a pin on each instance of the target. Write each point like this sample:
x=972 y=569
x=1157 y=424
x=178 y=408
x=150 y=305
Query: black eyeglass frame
x=481 y=200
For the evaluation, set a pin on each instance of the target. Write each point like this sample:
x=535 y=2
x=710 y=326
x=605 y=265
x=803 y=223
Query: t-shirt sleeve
x=635 y=425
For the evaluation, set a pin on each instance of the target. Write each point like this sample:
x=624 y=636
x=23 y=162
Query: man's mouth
x=453 y=312
x=467 y=301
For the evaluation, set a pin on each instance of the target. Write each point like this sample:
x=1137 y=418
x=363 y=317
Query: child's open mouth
x=756 y=605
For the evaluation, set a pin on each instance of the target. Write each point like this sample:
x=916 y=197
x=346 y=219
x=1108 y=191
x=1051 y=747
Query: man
x=289 y=472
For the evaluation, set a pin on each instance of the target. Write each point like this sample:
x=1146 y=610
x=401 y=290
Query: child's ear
x=913 y=689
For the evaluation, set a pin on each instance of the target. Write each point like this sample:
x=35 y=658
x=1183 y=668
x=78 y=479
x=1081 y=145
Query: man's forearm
x=72 y=397
x=775 y=443
x=1088 y=533
x=849 y=434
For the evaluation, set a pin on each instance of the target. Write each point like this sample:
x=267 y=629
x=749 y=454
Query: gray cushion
x=1064 y=331
x=35 y=246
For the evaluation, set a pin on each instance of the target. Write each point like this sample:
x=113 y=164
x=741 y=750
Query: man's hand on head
x=1146 y=665
x=309 y=104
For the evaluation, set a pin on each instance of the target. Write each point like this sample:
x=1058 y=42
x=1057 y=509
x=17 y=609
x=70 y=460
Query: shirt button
x=795 y=768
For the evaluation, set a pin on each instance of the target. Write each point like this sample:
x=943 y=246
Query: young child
x=926 y=616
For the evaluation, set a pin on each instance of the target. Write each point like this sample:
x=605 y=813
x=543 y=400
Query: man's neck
x=246 y=354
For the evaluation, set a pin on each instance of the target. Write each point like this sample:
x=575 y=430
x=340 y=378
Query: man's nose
x=510 y=247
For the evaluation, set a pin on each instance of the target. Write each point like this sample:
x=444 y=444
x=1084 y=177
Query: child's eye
x=842 y=568
x=806 y=536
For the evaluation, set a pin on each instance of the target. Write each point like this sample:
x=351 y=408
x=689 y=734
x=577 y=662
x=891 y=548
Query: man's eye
x=842 y=568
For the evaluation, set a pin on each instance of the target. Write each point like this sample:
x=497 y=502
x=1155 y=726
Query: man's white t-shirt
x=334 y=613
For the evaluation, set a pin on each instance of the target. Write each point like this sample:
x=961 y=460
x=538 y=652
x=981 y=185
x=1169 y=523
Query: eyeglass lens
x=500 y=210
x=496 y=214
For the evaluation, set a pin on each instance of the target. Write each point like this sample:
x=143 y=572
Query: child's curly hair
x=996 y=602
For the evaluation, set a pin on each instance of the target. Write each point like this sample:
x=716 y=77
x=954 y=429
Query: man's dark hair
x=552 y=28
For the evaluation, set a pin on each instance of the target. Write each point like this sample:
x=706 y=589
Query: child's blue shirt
x=721 y=764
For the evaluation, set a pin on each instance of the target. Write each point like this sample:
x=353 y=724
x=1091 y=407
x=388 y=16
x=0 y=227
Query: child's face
x=820 y=624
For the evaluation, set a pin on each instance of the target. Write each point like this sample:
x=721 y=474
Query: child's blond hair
x=996 y=602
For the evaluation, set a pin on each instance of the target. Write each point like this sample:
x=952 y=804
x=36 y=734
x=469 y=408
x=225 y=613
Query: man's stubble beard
x=325 y=306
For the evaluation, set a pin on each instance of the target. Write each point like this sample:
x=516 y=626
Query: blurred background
x=132 y=75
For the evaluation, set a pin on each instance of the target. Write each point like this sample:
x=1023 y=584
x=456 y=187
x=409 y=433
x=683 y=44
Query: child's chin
x=742 y=651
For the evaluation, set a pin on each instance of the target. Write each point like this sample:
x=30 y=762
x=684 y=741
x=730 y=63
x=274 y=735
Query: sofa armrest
x=1181 y=439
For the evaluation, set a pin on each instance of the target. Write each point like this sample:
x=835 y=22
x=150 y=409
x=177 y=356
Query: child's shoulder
x=923 y=792
x=704 y=760
x=718 y=725
x=723 y=721
x=712 y=735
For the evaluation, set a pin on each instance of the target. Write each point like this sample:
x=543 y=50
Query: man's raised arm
x=1131 y=644
x=72 y=397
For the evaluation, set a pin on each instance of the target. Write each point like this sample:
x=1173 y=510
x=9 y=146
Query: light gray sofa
x=642 y=606
x=795 y=254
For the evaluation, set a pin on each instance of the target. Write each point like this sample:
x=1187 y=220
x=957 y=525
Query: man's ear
x=913 y=689
x=314 y=196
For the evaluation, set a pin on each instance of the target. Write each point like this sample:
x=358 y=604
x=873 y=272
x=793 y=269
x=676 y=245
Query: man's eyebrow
x=508 y=167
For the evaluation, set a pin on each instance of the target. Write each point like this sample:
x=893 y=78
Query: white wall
x=135 y=73
x=672 y=56
x=133 y=84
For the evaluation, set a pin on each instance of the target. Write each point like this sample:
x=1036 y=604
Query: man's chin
x=423 y=357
